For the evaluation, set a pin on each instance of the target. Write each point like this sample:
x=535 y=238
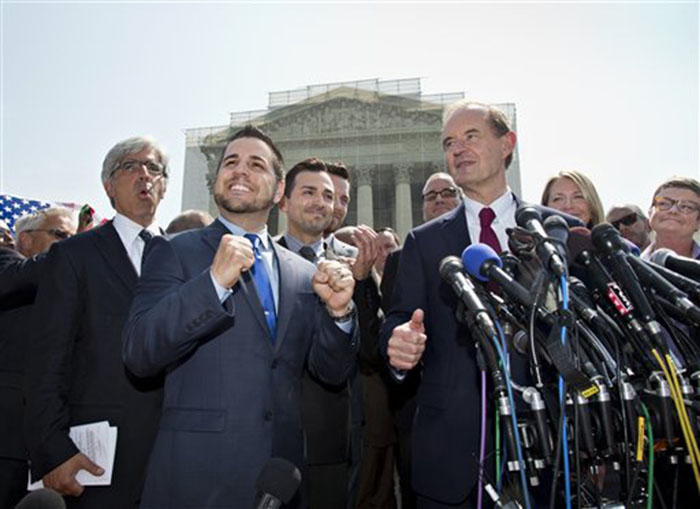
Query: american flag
x=14 y=207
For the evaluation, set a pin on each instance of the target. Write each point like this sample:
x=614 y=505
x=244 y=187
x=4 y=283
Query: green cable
x=650 y=477
x=498 y=450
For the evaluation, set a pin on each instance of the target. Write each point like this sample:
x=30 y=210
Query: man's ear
x=283 y=204
x=279 y=192
x=24 y=242
x=509 y=140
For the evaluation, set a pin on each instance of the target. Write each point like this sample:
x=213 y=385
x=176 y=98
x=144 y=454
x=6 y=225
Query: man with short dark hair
x=189 y=220
x=75 y=373
x=234 y=319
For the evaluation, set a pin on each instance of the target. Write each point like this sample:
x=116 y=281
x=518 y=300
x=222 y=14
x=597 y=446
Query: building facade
x=386 y=132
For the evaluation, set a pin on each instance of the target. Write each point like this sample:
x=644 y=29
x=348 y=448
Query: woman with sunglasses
x=573 y=192
x=675 y=217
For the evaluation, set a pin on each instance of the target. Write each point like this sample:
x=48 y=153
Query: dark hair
x=250 y=131
x=311 y=164
x=338 y=169
x=680 y=182
x=390 y=230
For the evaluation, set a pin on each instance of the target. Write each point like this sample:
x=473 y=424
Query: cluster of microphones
x=609 y=385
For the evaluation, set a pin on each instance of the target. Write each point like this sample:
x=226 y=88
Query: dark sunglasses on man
x=59 y=234
x=627 y=220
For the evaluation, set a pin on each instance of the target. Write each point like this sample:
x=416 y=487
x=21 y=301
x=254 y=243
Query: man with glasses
x=19 y=276
x=674 y=217
x=38 y=231
x=75 y=374
x=440 y=195
x=632 y=224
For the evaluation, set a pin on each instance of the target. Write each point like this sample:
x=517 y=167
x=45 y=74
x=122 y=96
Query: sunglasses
x=59 y=234
x=627 y=220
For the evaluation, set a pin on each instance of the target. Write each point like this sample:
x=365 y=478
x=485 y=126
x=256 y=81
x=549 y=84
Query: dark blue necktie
x=262 y=283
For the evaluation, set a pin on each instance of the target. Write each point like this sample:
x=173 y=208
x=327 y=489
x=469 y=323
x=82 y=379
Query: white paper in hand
x=97 y=441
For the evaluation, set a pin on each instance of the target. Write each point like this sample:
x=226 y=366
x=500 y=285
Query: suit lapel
x=246 y=284
x=110 y=246
x=454 y=231
x=287 y=279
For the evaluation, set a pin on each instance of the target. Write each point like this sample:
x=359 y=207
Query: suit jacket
x=231 y=396
x=19 y=277
x=446 y=425
x=75 y=373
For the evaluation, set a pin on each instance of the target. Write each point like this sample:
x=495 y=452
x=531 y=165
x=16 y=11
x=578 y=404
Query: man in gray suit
x=234 y=319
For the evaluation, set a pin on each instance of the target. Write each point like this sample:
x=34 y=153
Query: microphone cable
x=562 y=399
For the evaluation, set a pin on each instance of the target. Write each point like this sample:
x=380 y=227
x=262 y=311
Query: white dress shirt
x=128 y=232
x=504 y=206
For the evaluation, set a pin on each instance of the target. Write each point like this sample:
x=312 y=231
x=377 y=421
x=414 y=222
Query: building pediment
x=350 y=112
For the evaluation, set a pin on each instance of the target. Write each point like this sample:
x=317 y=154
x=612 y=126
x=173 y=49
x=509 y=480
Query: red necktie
x=488 y=235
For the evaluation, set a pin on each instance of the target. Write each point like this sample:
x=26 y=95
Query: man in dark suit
x=19 y=276
x=234 y=319
x=75 y=374
x=421 y=325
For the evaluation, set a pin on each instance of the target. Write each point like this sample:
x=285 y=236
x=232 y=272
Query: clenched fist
x=333 y=282
x=234 y=256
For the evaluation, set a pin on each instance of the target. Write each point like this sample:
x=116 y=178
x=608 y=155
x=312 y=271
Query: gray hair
x=35 y=220
x=629 y=206
x=130 y=146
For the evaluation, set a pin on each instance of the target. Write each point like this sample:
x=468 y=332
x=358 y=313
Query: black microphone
x=681 y=264
x=42 y=499
x=558 y=229
x=452 y=271
x=482 y=263
x=277 y=483
x=650 y=278
x=528 y=217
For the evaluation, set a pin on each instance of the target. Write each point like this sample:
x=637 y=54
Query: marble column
x=365 y=203
x=404 y=215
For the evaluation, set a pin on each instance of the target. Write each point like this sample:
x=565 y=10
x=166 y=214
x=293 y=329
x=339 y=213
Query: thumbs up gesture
x=407 y=342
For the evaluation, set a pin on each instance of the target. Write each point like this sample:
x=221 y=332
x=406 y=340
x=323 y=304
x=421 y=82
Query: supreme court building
x=386 y=132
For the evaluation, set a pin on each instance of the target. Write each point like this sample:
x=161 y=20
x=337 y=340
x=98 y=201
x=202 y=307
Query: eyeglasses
x=683 y=206
x=59 y=234
x=132 y=165
x=448 y=192
x=627 y=220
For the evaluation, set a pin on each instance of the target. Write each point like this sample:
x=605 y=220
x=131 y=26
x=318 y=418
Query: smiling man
x=75 y=374
x=234 y=319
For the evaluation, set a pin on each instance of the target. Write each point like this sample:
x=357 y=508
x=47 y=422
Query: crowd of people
x=213 y=347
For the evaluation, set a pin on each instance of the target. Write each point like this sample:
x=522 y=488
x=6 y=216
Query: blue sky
x=609 y=89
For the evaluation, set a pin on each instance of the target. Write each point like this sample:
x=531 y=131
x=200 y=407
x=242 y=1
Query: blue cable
x=509 y=390
x=565 y=443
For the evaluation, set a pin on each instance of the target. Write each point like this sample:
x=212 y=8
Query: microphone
x=681 y=264
x=278 y=481
x=452 y=271
x=528 y=217
x=650 y=278
x=483 y=264
x=558 y=229
x=42 y=499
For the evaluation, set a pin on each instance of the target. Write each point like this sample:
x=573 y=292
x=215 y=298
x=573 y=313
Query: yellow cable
x=680 y=409
x=679 y=394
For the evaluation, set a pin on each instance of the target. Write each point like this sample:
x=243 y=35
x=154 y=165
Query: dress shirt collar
x=294 y=245
x=129 y=230
x=501 y=206
x=237 y=230
x=646 y=254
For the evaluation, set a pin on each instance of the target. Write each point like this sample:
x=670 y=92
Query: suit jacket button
x=268 y=415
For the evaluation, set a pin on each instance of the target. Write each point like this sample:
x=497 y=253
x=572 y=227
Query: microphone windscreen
x=526 y=213
x=630 y=247
x=42 y=499
x=474 y=257
x=660 y=256
x=279 y=478
x=579 y=241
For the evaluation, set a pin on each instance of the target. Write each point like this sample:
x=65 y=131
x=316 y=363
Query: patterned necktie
x=308 y=254
x=488 y=235
x=146 y=236
x=262 y=283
